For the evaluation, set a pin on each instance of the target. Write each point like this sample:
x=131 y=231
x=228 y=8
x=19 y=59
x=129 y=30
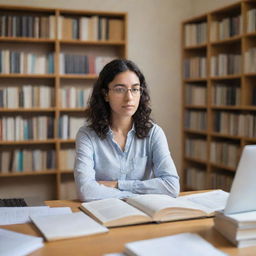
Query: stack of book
x=240 y=228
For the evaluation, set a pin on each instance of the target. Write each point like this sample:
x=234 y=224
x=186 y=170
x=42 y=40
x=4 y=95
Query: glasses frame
x=134 y=94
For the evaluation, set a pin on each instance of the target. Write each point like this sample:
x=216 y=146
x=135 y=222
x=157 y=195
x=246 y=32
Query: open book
x=155 y=208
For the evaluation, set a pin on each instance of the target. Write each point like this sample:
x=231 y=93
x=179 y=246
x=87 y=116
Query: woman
x=121 y=152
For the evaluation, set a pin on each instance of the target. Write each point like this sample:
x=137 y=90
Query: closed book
x=56 y=227
x=238 y=228
x=116 y=30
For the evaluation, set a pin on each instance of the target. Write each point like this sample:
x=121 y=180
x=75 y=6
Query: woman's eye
x=120 y=90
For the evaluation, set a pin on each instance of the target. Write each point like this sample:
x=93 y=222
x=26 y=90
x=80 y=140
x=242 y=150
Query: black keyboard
x=13 y=202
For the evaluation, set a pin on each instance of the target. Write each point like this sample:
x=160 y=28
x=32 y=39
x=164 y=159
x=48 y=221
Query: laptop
x=242 y=196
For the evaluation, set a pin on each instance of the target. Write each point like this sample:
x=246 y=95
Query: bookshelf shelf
x=72 y=109
x=196 y=47
x=26 y=40
x=229 y=77
x=48 y=172
x=98 y=43
x=221 y=166
x=11 y=110
x=195 y=107
x=235 y=39
x=73 y=76
x=195 y=131
x=195 y=160
x=223 y=101
x=15 y=75
x=74 y=45
x=67 y=141
x=195 y=80
x=220 y=135
x=28 y=142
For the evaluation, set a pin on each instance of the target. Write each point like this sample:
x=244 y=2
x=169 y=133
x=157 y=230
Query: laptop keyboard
x=13 y=202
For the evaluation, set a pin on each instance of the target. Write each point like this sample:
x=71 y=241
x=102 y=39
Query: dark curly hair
x=98 y=112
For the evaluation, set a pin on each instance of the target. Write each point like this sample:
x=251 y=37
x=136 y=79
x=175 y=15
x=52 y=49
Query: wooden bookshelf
x=80 y=42
x=224 y=89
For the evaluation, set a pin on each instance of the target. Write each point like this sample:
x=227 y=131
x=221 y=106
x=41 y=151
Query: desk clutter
x=239 y=228
x=56 y=223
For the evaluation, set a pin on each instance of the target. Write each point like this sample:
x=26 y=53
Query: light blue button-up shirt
x=144 y=167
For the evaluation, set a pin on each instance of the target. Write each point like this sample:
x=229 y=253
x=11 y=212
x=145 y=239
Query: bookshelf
x=219 y=92
x=49 y=60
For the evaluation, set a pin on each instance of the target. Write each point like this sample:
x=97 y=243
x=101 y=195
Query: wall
x=203 y=6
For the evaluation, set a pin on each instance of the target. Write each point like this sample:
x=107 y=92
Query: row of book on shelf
x=235 y=124
x=42 y=96
x=27 y=26
x=228 y=123
x=226 y=28
x=196 y=33
x=26 y=62
x=82 y=28
x=221 y=153
x=223 y=94
x=27 y=160
x=20 y=128
x=26 y=96
x=90 y=28
x=14 y=62
x=82 y=64
x=196 y=179
x=222 y=64
x=196 y=120
x=225 y=64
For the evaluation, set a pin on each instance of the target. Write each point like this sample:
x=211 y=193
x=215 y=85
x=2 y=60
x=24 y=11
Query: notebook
x=56 y=227
x=242 y=195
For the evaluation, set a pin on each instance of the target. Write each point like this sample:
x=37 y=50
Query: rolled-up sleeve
x=166 y=179
x=88 y=188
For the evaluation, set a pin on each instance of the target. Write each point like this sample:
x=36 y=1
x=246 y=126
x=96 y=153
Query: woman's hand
x=112 y=184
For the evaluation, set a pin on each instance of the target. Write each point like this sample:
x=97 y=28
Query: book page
x=208 y=201
x=191 y=244
x=111 y=209
x=152 y=204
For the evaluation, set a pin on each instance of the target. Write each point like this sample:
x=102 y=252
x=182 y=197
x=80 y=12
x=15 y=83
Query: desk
x=114 y=240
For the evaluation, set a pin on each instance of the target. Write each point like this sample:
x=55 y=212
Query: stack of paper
x=239 y=228
x=181 y=244
x=13 y=243
x=55 y=227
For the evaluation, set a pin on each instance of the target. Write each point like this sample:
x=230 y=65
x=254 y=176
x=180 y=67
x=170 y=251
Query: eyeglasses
x=122 y=91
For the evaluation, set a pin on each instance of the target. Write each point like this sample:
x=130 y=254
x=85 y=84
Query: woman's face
x=124 y=94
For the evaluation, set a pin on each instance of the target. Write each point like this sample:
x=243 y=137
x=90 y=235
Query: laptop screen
x=242 y=196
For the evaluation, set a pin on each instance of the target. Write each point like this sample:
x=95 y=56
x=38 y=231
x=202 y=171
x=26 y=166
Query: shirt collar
x=111 y=134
